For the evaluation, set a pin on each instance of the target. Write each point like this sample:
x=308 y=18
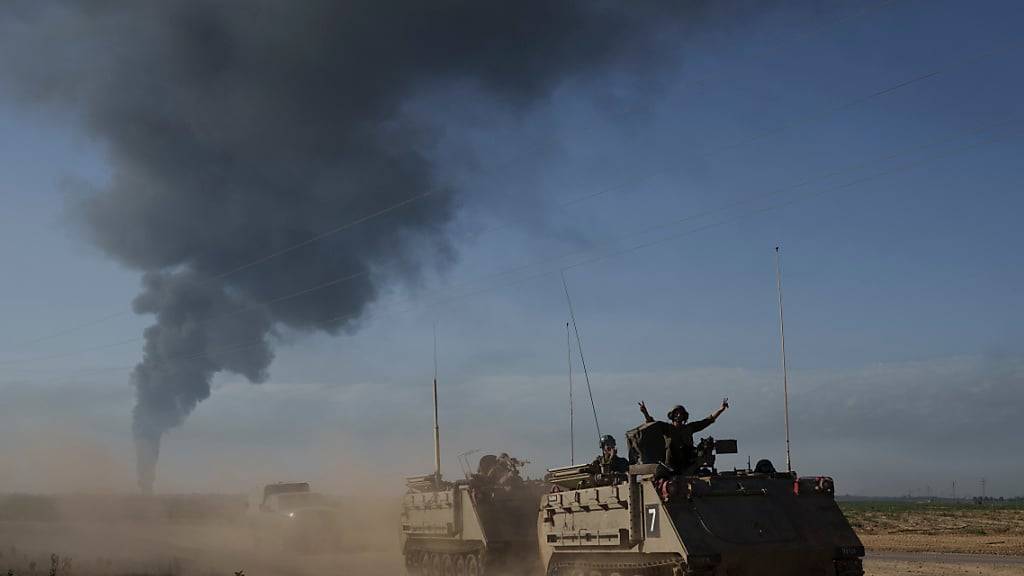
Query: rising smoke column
x=204 y=330
x=235 y=129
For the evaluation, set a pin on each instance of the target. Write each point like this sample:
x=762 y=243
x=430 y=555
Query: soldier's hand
x=725 y=403
x=643 y=408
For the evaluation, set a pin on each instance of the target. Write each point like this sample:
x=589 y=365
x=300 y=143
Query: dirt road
x=188 y=549
x=933 y=564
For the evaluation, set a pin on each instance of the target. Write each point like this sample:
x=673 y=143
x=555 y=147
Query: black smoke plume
x=235 y=129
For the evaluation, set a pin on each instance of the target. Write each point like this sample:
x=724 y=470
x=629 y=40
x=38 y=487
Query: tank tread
x=478 y=563
x=590 y=566
x=421 y=563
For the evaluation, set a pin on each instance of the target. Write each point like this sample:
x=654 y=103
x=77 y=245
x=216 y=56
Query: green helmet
x=607 y=440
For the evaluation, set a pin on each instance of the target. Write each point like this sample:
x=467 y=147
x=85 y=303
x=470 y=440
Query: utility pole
x=983 y=482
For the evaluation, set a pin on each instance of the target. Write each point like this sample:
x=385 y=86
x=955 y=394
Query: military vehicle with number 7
x=649 y=522
x=643 y=523
x=645 y=520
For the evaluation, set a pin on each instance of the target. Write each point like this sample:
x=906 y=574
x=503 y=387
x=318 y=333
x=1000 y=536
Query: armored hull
x=644 y=520
x=471 y=527
x=738 y=523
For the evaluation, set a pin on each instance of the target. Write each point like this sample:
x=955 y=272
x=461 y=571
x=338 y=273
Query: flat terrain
x=926 y=564
x=178 y=536
x=940 y=539
x=997 y=528
x=200 y=536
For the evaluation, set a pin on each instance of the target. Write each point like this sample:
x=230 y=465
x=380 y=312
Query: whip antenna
x=437 y=430
x=579 y=345
x=785 y=367
x=572 y=417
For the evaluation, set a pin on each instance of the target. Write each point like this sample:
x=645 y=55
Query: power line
x=973 y=131
x=340 y=280
x=597 y=257
x=646 y=244
x=90 y=324
x=321 y=236
x=737 y=143
x=810 y=119
x=511 y=162
x=775 y=206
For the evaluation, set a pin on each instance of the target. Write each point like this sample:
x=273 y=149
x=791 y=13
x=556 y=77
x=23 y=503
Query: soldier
x=505 y=470
x=679 y=450
x=609 y=462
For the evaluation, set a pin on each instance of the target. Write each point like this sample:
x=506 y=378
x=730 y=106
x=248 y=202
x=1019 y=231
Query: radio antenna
x=785 y=367
x=583 y=361
x=437 y=430
x=572 y=417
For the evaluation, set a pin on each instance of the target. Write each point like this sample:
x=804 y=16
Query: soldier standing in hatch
x=679 y=450
x=505 y=470
x=609 y=462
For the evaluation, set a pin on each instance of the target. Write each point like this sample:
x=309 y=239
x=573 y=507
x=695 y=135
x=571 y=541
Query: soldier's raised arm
x=643 y=410
x=723 y=408
x=702 y=424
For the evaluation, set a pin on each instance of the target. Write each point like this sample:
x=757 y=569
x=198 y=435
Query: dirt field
x=177 y=536
x=937 y=527
x=917 y=564
x=200 y=536
x=933 y=539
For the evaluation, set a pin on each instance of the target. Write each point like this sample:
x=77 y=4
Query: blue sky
x=897 y=212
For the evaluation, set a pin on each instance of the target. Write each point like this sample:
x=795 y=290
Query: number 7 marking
x=652 y=528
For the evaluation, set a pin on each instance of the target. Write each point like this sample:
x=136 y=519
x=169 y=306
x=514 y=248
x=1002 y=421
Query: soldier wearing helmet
x=679 y=449
x=609 y=462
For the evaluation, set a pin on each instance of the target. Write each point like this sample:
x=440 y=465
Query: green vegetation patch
x=935 y=517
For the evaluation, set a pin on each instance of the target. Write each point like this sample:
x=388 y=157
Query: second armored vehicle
x=483 y=524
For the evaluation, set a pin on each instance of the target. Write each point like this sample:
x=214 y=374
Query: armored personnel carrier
x=479 y=525
x=705 y=522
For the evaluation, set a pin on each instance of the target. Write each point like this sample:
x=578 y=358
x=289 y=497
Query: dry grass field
x=940 y=539
x=996 y=528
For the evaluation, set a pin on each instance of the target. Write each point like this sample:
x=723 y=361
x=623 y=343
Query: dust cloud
x=49 y=458
x=183 y=535
x=68 y=506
